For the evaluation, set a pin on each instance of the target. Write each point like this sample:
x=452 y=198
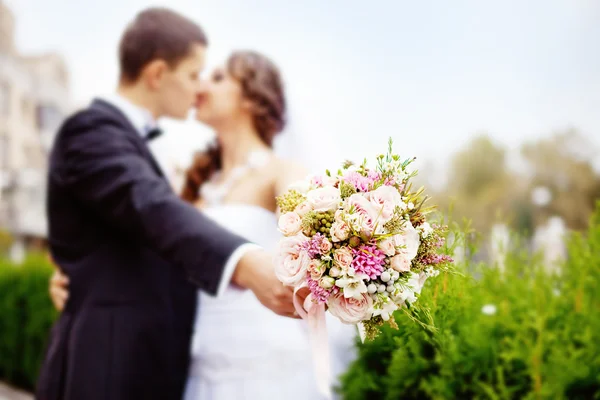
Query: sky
x=429 y=74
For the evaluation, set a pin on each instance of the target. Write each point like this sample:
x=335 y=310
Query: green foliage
x=26 y=315
x=541 y=339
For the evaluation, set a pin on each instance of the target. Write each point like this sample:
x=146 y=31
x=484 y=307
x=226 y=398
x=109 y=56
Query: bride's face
x=219 y=99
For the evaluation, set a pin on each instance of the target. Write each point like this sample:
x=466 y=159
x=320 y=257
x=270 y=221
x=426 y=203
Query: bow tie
x=153 y=134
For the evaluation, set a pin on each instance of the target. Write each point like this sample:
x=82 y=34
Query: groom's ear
x=154 y=72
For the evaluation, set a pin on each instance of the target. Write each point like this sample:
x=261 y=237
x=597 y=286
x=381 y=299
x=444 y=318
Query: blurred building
x=34 y=98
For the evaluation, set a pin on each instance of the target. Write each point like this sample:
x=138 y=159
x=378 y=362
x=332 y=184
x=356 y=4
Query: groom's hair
x=156 y=33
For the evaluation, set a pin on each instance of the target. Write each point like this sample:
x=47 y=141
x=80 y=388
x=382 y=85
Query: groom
x=126 y=241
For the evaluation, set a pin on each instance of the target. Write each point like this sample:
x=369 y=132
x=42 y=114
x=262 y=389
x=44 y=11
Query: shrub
x=26 y=316
x=539 y=336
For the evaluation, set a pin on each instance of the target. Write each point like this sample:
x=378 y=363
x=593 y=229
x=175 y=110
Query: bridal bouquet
x=360 y=241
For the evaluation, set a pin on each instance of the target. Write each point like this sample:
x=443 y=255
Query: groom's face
x=180 y=85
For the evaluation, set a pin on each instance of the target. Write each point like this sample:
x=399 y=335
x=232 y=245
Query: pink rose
x=325 y=246
x=302 y=208
x=342 y=258
x=365 y=215
x=324 y=199
x=351 y=310
x=339 y=231
x=290 y=223
x=291 y=262
x=385 y=199
x=387 y=246
x=316 y=269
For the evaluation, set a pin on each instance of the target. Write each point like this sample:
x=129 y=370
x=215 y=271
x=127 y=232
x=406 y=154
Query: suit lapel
x=106 y=107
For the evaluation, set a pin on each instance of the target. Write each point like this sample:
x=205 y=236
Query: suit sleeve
x=103 y=169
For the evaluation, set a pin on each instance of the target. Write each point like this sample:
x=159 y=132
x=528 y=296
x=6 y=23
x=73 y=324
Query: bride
x=239 y=348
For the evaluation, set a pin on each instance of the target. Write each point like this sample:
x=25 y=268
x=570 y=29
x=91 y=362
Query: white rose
x=290 y=223
x=324 y=199
x=302 y=208
x=408 y=241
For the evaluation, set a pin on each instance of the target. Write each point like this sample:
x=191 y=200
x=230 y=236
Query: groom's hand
x=255 y=272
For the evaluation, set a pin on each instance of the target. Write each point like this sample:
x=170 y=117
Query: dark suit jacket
x=128 y=244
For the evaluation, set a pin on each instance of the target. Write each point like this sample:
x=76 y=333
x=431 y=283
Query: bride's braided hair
x=261 y=84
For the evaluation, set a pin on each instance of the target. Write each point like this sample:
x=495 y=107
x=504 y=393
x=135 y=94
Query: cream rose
x=400 y=263
x=342 y=258
x=340 y=231
x=324 y=199
x=325 y=246
x=316 y=269
x=387 y=246
x=290 y=223
x=351 y=310
x=291 y=262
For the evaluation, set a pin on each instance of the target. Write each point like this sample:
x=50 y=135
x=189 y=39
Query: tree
x=563 y=165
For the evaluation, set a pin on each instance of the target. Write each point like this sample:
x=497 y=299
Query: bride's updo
x=261 y=83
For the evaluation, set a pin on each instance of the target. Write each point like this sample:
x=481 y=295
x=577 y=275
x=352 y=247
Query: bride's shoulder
x=286 y=171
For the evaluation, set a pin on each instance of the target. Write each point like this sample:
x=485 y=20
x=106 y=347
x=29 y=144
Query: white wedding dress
x=242 y=350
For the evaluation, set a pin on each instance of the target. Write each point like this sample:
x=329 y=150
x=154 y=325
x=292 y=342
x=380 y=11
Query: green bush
x=542 y=341
x=26 y=316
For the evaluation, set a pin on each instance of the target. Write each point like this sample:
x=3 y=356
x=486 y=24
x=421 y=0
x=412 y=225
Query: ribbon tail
x=320 y=348
x=317 y=332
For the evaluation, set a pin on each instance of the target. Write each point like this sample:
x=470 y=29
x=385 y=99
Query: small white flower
x=425 y=229
x=411 y=205
x=489 y=309
x=372 y=288
x=384 y=307
x=353 y=287
x=431 y=272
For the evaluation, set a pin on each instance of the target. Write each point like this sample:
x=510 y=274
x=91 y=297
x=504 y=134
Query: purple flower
x=360 y=182
x=316 y=246
x=318 y=293
x=434 y=259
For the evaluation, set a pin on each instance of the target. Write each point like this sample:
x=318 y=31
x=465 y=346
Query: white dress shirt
x=142 y=120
